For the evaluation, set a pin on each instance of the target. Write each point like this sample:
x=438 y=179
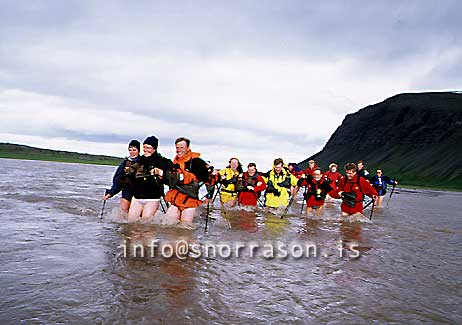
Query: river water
x=62 y=263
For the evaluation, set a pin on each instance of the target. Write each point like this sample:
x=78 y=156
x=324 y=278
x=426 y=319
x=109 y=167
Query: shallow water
x=61 y=263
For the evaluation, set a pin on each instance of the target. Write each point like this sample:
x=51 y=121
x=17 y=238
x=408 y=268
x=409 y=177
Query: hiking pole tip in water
x=102 y=210
x=392 y=190
x=106 y=192
x=303 y=200
x=288 y=206
x=372 y=208
x=206 y=222
x=207 y=216
x=209 y=197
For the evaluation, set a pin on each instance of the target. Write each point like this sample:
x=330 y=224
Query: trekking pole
x=106 y=192
x=208 y=209
x=102 y=210
x=216 y=194
x=161 y=205
x=392 y=190
x=207 y=216
x=210 y=189
x=368 y=203
x=288 y=206
x=372 y=209
x=303 y=201
x=260 y=202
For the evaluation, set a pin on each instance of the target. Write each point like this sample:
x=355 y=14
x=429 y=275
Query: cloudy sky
x=252 y=79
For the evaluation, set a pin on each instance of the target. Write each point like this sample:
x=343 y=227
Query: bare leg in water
x=315 y=212
x=124 y=205
x=185 y=216
x=379 y=201
x=142 y=209
x=357 y=215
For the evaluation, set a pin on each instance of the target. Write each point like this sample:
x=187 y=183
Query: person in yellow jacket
x=228 y=178
x=279 y=182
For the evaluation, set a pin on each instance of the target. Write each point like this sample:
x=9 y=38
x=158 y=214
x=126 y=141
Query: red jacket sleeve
x=335 y=192
x=262 y=187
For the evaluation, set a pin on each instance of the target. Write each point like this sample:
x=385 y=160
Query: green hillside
x=16 y=151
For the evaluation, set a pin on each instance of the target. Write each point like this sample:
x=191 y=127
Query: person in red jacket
x=249 y=186
x=292 y=167
x=352 y=190
x=334 y=177
x=311 y=168
x=316 y=189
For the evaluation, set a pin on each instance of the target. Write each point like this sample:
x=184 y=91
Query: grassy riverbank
x=15 y=151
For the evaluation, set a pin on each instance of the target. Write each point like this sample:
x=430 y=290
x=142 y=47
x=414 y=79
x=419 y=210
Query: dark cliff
x=416 y=137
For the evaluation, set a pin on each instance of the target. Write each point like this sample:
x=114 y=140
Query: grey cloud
x=28 y=15
x=446 y=75
x=312 y=29
x=102 y=138
x=379 y=31
x=375 y=33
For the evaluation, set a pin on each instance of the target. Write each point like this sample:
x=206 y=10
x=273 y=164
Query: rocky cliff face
x=417 y=137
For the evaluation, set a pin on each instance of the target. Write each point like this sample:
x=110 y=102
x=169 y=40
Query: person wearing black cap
x=120 y=173
x=148 y=181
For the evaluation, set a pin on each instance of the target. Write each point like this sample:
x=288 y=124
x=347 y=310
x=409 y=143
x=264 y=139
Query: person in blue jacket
x=380 y=182
x=118 y=180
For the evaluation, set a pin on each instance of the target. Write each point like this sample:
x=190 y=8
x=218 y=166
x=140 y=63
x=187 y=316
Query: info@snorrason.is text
x=183 y=249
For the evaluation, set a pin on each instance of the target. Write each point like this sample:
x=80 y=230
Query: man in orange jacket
x=188 y=174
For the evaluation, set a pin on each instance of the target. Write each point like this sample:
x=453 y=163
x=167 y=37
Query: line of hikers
x=141 y=179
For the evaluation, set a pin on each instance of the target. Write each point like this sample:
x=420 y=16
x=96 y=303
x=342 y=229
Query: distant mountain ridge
x=414 y=136
x=17 y=151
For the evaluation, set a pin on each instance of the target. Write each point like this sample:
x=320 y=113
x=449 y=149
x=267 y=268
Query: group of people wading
x=141 y=179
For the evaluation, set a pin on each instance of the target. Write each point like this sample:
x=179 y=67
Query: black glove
x=285 y=183
x=233 y=180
